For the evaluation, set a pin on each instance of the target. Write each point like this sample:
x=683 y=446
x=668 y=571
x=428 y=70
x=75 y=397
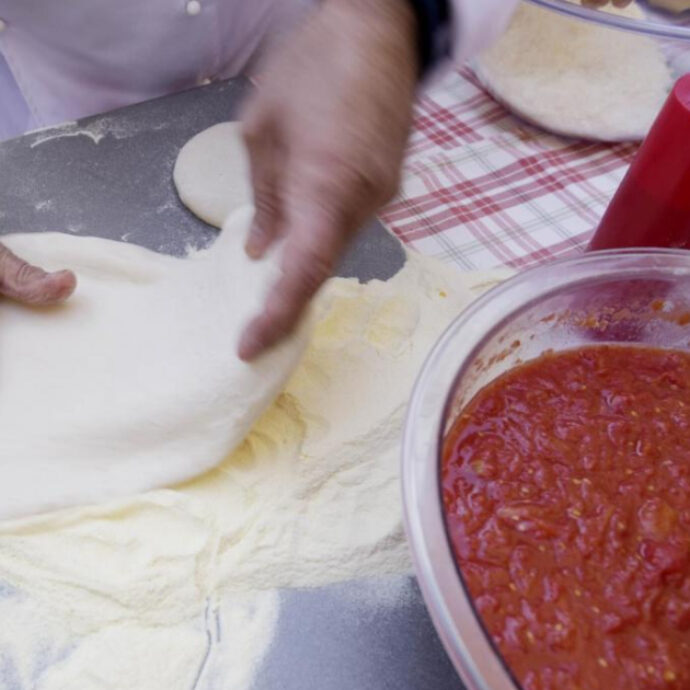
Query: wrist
x=396 y=14
x=393 y=21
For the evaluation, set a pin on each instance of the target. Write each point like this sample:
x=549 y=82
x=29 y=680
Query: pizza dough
x=135 y=382
x=211 y=173
x=576 y=78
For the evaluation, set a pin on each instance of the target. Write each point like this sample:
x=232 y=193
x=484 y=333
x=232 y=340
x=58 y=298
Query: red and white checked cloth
x=483 y=189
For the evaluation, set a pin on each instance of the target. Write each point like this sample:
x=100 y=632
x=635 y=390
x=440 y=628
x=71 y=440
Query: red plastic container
x=652 y=205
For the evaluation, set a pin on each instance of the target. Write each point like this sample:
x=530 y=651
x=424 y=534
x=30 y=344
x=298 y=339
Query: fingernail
x=67 y=282
x=256 y=241
x=252 y=250
x=249 y=347
x=52 y=288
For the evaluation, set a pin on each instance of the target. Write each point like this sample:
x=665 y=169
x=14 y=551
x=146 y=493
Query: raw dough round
x=134 y=383
x=576 y=78
x=212 y=173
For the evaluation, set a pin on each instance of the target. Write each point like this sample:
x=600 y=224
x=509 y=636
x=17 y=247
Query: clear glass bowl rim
x=652 y=27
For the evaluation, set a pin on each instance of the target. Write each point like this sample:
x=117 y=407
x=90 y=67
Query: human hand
x=326 y=133
x=31 y=285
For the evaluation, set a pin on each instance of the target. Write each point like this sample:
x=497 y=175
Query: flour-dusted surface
x=111 y=175
x=373 y=634
x=576 y=78
x=139 y=385
x=311 y=497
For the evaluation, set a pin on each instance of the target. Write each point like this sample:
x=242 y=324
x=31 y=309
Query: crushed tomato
x=566 y=490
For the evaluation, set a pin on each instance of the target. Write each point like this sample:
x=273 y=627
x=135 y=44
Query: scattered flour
x=175 y=589
x=45 y=205
x=66 y=132
x=96 y=130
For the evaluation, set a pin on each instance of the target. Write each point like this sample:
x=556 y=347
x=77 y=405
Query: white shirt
x=65 y=60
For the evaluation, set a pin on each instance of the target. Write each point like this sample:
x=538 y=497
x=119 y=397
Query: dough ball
x=211 y=173
x=576 y=78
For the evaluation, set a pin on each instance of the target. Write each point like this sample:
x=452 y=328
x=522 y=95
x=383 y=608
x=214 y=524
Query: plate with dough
x=581 y=79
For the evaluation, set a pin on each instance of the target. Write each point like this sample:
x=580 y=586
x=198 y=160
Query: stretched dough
x=211 y=173
x=134 y=383
x=576 y=78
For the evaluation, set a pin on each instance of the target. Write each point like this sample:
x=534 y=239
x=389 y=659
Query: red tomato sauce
x=566 y=489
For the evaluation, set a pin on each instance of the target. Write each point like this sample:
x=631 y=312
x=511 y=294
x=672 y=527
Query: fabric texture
x=72 y=59
x=63 y=61
x=482 y=189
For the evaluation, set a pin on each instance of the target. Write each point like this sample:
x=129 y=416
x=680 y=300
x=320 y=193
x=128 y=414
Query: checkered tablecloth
x=483 y=189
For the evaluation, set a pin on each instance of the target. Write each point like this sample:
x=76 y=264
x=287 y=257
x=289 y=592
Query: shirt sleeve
x=15 y=117
x=476 y=23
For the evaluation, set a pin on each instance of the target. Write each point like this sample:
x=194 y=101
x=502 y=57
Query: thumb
x=32 y=285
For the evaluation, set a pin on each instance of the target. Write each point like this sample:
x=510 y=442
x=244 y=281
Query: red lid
x=652 y=205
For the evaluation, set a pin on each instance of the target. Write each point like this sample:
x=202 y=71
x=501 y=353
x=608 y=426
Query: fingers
x=326 y=199
x=31 y=285
x=311 y=251
x=260 y=135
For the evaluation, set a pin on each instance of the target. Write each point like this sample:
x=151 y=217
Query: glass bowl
x=634 y=296
x=657 y=22
x=670 y=30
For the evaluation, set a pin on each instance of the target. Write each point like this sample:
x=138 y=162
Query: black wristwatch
x=433 y=32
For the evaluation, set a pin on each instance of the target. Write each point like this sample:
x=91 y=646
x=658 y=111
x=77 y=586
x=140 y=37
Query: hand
x=326 y=134
x=30 y=285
